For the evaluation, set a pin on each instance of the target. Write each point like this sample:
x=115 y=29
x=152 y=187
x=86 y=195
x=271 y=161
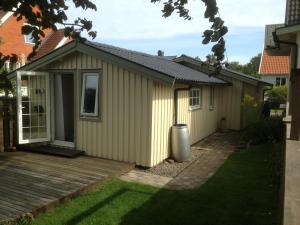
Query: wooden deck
x=33 y=183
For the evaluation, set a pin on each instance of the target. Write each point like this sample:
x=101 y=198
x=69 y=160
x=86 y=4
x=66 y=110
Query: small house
x=118 y=104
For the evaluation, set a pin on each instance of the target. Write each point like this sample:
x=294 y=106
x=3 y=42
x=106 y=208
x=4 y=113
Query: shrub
x=268 y=129
x=250 y=110
x=277 y=96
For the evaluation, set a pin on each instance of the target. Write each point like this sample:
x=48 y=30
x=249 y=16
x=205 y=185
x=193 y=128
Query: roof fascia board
x=224 y=72
x=288 y=30
x=238 y=77
x=97 y=53
x=149 y=73
x=227 y=83
x=274 y=74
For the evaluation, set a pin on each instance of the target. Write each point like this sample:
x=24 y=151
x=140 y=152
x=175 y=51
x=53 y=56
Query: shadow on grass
x=243 y=191
x=80 y=217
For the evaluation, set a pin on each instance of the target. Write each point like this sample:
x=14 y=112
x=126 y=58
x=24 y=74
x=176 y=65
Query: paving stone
x=207 y=156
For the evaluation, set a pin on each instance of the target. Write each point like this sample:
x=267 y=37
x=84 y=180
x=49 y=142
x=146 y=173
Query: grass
x=244 y=191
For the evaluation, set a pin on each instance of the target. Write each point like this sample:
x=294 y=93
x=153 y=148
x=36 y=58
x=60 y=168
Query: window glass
x=28 y=38
x=195 y=98
x=89 y=104
x=277 y=81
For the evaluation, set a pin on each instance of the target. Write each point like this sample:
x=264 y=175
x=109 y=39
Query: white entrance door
x=33 y=106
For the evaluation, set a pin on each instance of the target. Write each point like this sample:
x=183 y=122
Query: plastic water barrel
x=181 y=148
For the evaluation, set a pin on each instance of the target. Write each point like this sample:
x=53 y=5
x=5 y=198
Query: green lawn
x=244 y=191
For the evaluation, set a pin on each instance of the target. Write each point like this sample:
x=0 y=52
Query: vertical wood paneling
x=231 y=109
x=201 y=122
x=162 y=120
x=121 y=116
x=126 y=90
x=123 y=132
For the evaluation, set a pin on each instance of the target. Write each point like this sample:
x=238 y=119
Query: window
x=195 y=98
x=212 y=98
x=277 y=81
x=283 y=81
x=89 y=95
x=28 y=38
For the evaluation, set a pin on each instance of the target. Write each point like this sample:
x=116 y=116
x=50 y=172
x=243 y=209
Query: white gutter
x=61 y=43
x=5 y=17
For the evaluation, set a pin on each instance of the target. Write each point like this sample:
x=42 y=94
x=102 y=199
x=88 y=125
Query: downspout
x=294 y=133
x=176 y=102
x=176 y=90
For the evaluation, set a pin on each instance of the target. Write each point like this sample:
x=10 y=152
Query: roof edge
x=224 y=71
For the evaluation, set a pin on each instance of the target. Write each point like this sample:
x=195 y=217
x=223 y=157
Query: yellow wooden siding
x=230 y=101
x=162 y=121
x=124 y=131
x=201 y=122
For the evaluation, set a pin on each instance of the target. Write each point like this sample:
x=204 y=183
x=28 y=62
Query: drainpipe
x=176 y=102
x=295 y=129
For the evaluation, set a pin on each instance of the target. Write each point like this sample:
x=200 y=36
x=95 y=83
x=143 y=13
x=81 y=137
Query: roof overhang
x=76 y=46
x=288 y=33
x=224 y=73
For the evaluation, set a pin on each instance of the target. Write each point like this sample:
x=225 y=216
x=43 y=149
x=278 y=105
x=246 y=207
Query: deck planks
x=32 y=183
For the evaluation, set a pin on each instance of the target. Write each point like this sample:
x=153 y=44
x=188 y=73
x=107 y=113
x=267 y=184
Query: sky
x=139 y=25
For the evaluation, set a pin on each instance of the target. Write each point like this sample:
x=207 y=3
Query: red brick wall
x=12 y=40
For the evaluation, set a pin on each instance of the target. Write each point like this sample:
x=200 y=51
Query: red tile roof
x=49 y=43
x=274 y=62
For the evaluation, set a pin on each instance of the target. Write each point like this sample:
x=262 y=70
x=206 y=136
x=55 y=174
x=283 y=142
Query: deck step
x=52 y=150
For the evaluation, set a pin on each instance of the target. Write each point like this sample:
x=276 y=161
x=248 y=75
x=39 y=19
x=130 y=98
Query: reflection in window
x=29 y=38
x=89 y=98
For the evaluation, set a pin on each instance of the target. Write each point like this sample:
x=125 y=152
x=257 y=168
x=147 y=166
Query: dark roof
x=205 y=67
x=158 y=63
x=292 y=16
x=49 y=43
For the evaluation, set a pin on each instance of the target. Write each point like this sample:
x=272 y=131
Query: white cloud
x=136 y=19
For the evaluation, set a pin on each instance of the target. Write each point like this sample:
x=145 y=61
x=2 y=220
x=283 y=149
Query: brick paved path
x=214 y=151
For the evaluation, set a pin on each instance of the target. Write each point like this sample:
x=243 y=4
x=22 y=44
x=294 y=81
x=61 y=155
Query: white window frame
x=26 y=42
x=198 y=106
x=212 y=98
x=96 y=112
x=19 y=105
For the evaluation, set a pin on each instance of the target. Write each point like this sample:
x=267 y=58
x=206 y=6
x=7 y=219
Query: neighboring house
x=275 y=64
x=232 y=97
x=118 y=104
x=290 y=34
x=14 y=42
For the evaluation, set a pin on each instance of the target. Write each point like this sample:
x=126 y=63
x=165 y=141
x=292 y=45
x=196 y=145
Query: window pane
x=29 y=39
x=90 y=93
